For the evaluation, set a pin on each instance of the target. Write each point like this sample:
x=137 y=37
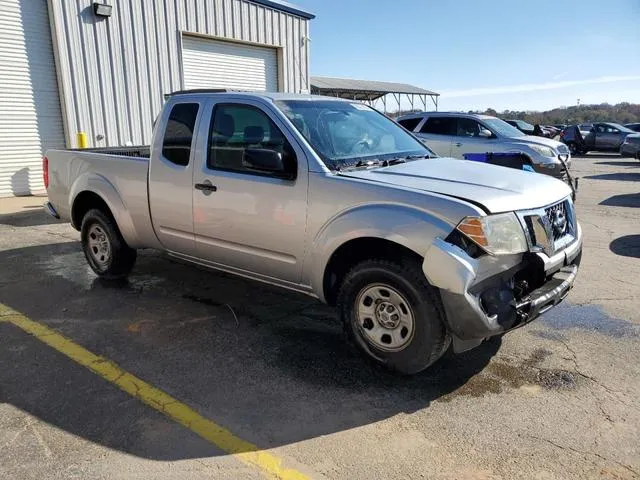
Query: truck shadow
x=29 y=217
x=269 y=365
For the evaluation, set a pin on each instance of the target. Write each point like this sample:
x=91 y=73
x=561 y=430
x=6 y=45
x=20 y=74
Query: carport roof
x=363 y=89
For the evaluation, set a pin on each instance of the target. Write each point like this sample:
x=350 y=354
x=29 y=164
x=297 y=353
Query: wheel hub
x=99 y=245
x=384 y=317
x=387 y=315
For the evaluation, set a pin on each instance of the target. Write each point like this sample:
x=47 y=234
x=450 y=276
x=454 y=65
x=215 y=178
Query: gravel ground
x=557 y=399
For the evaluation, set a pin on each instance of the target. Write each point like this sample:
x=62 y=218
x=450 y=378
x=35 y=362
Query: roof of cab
x=272 y=96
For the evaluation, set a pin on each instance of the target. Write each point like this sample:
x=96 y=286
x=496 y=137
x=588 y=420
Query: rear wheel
x=393 y=315
x=104 y=248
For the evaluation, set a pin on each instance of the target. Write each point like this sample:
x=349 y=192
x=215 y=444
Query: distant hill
x=604 y=112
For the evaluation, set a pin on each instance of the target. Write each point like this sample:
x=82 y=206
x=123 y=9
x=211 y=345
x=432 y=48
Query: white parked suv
x=453 y=134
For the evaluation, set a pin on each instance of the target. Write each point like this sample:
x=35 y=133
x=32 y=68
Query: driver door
x=468 y=139
x=248 y=220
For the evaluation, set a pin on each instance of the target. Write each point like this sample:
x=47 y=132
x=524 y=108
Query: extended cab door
x=469 y=139
x=245 y=218
x=171 y=176
x=438 y=132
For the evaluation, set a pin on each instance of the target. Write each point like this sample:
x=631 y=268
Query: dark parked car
x=631 y=146
x=633 y=126
x=521 y=125
x=602 y=137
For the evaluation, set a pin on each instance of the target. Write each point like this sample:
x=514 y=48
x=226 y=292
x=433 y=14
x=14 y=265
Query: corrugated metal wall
x=115 y=71
x=30 y=118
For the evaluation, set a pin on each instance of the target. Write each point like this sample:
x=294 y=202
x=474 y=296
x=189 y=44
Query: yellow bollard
x=82 y=140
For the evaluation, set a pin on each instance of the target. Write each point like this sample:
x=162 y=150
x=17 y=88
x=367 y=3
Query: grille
x=560 y=220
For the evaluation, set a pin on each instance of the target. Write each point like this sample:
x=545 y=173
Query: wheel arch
x=95 y=191
x=356 y=250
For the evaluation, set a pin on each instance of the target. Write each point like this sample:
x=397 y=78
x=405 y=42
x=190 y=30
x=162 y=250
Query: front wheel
x=393 y=315
x=107 y=253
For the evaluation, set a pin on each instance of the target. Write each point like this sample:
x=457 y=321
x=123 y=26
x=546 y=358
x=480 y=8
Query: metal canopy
x=370 y=91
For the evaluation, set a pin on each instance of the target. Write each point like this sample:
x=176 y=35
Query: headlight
x=542 y=150
x=496 y=234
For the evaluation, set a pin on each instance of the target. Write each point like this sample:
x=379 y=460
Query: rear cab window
x=440 y=126
x=178 y=136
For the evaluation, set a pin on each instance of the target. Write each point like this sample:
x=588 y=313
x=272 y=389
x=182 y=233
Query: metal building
x=103 y=68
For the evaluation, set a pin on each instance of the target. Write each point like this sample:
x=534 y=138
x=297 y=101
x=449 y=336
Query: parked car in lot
x=602 y=137
x=631 y=146
x=633 y=126
x=456 y=134
x=330 y=198
x=523 y=126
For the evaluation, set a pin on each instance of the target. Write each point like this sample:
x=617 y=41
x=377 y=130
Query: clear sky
x=504 y=54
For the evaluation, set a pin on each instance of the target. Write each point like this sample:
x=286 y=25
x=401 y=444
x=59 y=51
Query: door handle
x=458 y=144
x=206 y=187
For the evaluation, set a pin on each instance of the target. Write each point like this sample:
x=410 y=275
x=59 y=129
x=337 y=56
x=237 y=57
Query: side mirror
x=264 y=160
x=484 y=133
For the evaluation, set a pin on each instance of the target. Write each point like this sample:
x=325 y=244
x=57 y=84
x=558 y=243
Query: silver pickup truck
x=332 y=199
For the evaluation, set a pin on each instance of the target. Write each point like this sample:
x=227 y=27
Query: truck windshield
x=502 y=128
x=344 y=133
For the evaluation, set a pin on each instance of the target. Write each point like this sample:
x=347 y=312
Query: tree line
x=604 y=112
x=620 y=113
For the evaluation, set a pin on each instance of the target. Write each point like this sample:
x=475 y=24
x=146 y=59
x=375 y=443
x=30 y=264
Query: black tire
x=430 y=338
x=120 y=259
x=573 y=148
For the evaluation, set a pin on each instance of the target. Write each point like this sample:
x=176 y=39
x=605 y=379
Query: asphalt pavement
x=270 y=373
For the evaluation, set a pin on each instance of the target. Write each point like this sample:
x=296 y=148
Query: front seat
x=222 y=152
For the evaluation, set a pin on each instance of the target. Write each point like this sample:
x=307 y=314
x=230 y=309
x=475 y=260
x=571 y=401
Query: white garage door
x=30 y=118
x=216 y=64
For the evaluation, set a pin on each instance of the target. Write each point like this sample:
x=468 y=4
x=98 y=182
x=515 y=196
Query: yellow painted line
x=220 y=437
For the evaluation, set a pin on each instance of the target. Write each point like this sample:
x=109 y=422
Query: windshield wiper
x=417 y=156
x=376 y=162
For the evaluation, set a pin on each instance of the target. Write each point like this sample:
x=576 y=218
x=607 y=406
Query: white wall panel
x=30 y=116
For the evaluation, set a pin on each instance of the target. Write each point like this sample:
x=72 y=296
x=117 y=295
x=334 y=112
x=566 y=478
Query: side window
x=176 y=145
x=468 y=127
x=410 y=123
x=600 y=128
x=235 y=129
x=440 y=126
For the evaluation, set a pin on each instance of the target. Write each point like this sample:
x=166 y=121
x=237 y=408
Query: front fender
x=412 y=228
x=102 y=187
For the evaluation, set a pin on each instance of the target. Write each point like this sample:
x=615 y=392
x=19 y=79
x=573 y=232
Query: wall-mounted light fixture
x=102 y=9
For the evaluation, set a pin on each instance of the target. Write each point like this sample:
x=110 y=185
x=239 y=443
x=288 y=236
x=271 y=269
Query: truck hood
x=497 y=189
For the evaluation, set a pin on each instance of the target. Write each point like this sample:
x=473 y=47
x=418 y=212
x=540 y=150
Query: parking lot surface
x=557 y=399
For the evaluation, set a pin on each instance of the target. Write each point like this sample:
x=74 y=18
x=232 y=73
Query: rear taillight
x=45 y=171
x=562 y=134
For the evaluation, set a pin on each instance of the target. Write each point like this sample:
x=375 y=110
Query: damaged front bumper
x=491 y=295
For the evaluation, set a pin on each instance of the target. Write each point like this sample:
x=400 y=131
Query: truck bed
x=142 y=151
x=120 y=174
